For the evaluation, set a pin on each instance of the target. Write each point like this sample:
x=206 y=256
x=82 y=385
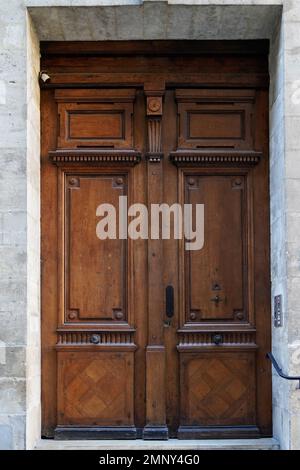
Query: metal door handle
x=169 y=301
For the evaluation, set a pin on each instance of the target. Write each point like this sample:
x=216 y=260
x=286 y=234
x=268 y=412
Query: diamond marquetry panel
x=95 y=388
x=217 y=389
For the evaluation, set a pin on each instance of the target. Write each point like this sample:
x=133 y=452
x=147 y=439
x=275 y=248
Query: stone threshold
x=171 y=444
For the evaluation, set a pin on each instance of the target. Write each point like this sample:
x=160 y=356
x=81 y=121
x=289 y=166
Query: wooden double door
x=143 y=338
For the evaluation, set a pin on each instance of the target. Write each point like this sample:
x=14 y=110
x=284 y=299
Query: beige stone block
x=281 y=427
x=2 y=92
x=14 y=36
x=12 y=291
x=12 y=432
x=12 y=395
x=293 y=164
x=13 y=164
x=293 y=195
x=292 y=65
x=13 y=261
x=291 y=11
x=13 y=194
x=295 y=431
x=292 y=124
x=6 y=437
x=129 y=22
x=293 y=259
x=15 y=364
x=293 y=304
x=14 y=228
x=12 y=315
x=293 y=230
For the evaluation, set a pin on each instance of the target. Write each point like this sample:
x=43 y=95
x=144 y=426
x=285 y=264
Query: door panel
x=217 y=341
x=95 y=118
x=215 y=119
x=215 y=287
x=95 y=345
x=218 y=389
x=96 y=270
x=96 y=389
x=94 y=325
x=115 y=363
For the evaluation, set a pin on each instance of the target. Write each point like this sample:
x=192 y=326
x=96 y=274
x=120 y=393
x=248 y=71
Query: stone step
x=171 y=444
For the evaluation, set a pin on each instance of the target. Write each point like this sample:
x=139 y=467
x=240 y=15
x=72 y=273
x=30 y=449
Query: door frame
x=249 y=48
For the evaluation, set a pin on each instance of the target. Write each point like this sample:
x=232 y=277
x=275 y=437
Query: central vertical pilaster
x=156 y=427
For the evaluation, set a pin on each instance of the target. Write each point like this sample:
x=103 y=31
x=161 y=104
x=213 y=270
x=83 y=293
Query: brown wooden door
x=119 y=360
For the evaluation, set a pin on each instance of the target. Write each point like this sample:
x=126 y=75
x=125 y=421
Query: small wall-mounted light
x=44 y=77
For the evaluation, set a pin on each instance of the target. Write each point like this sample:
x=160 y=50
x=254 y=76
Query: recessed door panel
x=96 y=269
x=219 y=389
x=96 y=389
x=215 y=276
x=215 y=119
x=95 y=118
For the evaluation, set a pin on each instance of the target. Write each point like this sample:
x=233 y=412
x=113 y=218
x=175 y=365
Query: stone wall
x=285 y=217
x=19 y=227
x=291 y=21
x=278 y=228
x=13 y=222
x=19 y=172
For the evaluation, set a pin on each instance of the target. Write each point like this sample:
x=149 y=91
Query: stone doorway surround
x=23 y=24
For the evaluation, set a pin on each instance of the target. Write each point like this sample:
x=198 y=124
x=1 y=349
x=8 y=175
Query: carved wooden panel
x=95 y=388
x=94 y=157
x=216 y=281
x=95 y=118
x=215 y=119
x=217 y=389
x=95 y=270
x=215 y=158
x=99 y=339
x=154 y=120
x=200 y=340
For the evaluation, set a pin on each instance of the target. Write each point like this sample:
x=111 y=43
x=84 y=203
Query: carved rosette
x=154 y=116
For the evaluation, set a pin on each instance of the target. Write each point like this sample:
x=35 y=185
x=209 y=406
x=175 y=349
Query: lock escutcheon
x=217 y=339
x=95 y=339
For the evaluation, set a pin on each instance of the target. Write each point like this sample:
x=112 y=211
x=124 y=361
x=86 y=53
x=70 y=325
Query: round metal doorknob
x=95 y=339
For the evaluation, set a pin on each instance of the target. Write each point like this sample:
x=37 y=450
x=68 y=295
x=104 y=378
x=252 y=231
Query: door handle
x=169 y=301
